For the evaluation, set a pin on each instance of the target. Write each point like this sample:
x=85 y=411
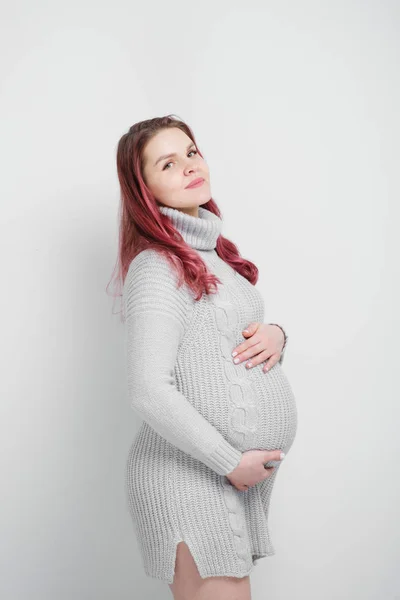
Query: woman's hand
x=252 y=469
x=265 y=342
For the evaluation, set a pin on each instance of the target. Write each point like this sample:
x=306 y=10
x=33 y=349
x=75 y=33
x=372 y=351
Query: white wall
x=296 y=108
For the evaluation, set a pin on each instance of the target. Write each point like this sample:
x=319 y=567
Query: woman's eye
x=170 y=163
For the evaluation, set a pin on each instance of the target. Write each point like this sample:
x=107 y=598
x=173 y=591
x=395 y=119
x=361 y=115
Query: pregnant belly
x=263 y=410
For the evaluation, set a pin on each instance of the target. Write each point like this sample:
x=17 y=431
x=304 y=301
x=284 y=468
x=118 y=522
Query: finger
x=251 y=350
x=251 y=328
x=244 y=346
x=271 y=362
x=257 y=359
x=273 y=455
x=241 y=487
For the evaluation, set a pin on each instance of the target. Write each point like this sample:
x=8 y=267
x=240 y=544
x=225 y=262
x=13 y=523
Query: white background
x=295 y=106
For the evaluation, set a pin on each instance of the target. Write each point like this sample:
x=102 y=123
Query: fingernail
x=282 y=455
x=234 y=353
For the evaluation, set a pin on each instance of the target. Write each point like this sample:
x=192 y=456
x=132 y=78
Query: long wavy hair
x=142 y=225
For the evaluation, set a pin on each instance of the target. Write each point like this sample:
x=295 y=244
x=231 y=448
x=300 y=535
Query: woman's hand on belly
x=264 y=343
x=251 y=469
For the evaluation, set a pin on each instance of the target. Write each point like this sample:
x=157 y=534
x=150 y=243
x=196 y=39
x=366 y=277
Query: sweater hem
x=204 y=574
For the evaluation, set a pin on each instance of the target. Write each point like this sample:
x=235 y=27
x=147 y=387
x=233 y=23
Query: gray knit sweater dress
x=199 y=412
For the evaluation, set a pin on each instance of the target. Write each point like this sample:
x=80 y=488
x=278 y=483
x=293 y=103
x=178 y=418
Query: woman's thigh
x=188 y=585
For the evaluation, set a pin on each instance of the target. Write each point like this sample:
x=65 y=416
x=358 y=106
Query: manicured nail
x=282 y=455
x=235 y=360
x=249 y=364
x=234 y=353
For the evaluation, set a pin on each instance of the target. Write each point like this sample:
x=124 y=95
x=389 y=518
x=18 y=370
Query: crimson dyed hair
x=142 y=225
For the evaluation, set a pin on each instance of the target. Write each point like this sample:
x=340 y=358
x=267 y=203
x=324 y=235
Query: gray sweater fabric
x=200 y=412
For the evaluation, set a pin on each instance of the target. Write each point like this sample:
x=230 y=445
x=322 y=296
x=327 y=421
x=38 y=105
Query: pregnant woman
x=215 y=428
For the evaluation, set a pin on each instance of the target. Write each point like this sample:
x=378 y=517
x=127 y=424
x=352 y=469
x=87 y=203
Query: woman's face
x=171 y=162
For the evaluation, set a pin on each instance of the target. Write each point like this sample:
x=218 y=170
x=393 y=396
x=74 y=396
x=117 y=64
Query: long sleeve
x=282 y=355
x=157 y=312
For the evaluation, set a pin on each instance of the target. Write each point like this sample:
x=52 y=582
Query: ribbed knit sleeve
x=282 y=356
x=157 y=314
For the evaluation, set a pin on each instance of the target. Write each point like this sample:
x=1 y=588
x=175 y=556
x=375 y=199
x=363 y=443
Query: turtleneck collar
x=199 y=232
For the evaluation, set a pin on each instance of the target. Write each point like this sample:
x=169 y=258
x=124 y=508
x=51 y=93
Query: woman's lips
x=196 y=182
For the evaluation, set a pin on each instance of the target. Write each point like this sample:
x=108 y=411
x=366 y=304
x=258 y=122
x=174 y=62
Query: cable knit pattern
x=243 y=407
x=200 y=412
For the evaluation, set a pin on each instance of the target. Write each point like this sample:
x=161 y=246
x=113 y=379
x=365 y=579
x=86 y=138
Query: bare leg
x=188 y=585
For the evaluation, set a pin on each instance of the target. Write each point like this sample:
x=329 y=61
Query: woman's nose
x=189 y=169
